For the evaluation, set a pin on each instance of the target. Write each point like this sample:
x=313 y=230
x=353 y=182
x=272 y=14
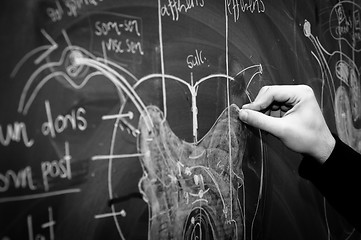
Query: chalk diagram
x=346 y=98
x=192 y=189
x=340 y=74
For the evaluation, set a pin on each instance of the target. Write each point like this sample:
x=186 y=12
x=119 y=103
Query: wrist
x=326 y=148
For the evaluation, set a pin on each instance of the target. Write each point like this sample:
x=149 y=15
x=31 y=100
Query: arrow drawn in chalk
x=51 y=47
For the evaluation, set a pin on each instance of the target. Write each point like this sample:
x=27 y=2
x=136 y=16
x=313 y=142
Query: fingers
x=298 y=120
x=262 y=121
x=288 y=95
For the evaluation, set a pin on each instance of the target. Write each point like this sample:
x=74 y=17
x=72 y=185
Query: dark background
x=289 y=207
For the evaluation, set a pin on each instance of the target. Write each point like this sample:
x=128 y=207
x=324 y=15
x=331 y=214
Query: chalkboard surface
x=118 y=118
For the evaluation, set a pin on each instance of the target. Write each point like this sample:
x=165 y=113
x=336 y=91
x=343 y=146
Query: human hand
x=292 y=114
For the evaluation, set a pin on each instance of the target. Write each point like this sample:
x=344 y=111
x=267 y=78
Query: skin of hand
x=292 y=114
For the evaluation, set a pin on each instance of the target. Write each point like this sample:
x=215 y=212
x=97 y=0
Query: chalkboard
x=118 y=118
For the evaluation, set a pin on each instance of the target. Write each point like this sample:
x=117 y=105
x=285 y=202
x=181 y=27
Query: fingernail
x=243 y=115
x=245 y=105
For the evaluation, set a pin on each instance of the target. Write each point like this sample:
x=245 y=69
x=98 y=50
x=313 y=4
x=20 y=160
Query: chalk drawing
x=192 y=189
x=341 y=75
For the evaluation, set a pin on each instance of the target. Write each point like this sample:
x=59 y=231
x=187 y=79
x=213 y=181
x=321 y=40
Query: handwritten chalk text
x=15 y=132
x=55 y=169
x=75 y=120
x=50 y=170
x=235 y=7
x=121 y=35
x=195 y=59
x=174 y=7
x=44 y=232
x=348 y=24
x=55 y=14
x=49 y=224
x=118 y=46
x=104 y=28
x=71 y=8
x=19 y=179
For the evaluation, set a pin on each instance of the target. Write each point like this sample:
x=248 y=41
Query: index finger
x=286 y=95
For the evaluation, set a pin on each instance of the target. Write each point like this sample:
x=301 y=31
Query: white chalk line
x=39 y=195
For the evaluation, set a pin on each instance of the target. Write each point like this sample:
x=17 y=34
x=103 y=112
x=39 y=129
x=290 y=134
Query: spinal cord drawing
x=194 y=190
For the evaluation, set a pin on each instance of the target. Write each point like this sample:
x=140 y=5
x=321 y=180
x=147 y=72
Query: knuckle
x=263 y=107
x=265 y=89
x=307 y=90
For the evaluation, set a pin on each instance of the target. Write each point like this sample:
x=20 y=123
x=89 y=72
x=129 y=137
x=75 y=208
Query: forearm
x=338 y=179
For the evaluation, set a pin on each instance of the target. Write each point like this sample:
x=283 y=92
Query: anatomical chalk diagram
x=340 y=74
x=339 y=70
x=192 y=189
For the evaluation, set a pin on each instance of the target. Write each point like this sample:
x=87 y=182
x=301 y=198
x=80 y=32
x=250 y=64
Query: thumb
x=262 y=121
